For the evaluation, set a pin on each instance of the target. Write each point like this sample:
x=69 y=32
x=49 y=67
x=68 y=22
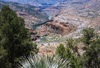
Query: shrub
x=43 y=62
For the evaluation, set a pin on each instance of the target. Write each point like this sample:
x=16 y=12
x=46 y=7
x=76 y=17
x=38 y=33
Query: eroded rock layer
x=62 y=28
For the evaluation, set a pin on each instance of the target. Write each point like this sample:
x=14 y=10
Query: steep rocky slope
x=64 y=24
x=70 y=24
x=56 y=27
x=31 y=14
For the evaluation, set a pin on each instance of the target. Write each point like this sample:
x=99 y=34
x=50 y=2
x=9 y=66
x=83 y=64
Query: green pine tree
x=15 y=37
x=60 y=50
x=92 y=49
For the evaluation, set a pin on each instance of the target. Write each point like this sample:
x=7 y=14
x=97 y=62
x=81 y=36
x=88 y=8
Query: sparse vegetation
x=91 y=55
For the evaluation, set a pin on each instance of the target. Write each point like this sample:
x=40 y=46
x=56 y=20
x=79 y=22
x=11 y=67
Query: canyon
x=66 y=17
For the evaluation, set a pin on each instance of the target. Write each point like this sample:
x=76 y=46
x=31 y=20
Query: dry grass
x=48 y=50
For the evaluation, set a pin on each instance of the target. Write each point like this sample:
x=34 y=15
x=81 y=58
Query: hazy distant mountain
x=35 y=2
x=93 y=5
x=54 y=7
x=48 y=3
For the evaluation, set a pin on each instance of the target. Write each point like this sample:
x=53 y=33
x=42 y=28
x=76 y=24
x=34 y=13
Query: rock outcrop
x=67 y=25
x=62 y=28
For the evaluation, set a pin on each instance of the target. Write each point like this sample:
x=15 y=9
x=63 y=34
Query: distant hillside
x=35 y=2
x=53 y=7
x=31 y=14
x=47 y=2
x=93 y=5
x=69 y=4
x=64 y=6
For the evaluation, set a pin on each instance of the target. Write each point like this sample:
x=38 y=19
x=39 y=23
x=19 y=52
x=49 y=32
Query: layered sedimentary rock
x=58 y=27
x=65 y=24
